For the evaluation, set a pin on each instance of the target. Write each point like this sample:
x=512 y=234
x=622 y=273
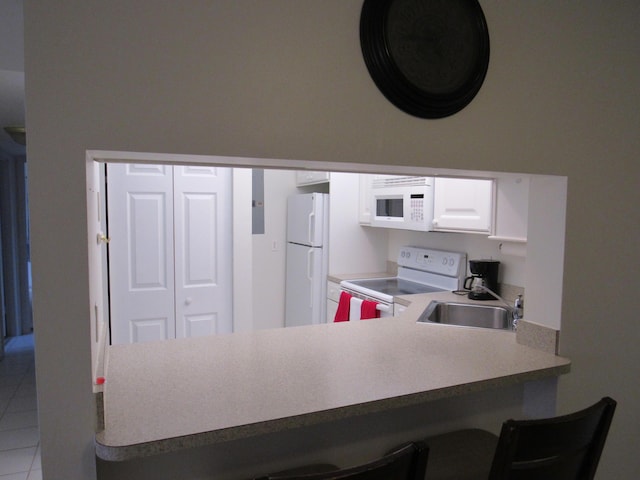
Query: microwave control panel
x=416 y=208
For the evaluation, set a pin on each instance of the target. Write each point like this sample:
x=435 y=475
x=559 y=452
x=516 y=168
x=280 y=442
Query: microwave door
x=388 y=210
x=408 y=210
x=390 y=207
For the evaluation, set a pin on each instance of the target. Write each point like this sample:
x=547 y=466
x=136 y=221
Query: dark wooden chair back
x=405 y=463
x=561 y=448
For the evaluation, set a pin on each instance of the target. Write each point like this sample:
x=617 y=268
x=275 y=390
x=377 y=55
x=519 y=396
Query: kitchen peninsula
x=168 y=396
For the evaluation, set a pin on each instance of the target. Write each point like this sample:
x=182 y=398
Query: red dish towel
x=342 y=314
x=369 y=310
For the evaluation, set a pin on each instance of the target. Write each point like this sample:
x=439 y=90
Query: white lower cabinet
x=332 y=308
x=333 y=297
x=463 y=205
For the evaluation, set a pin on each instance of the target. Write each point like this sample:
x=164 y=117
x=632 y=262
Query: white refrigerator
x=307 y=259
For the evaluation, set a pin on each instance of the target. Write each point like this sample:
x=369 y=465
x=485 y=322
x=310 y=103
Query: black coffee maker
x=484 y=273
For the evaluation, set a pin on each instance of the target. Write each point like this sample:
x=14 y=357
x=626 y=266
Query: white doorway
x=170 y=251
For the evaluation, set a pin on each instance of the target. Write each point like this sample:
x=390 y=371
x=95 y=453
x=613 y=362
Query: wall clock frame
x=427 y=57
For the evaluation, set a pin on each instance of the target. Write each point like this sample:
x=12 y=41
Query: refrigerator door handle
x=310 y=274
x=311 y=220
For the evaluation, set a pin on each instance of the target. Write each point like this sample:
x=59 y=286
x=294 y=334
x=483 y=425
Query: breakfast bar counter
x=167 y=396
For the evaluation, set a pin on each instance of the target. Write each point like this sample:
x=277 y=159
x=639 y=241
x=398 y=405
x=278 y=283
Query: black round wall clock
x=428 y=57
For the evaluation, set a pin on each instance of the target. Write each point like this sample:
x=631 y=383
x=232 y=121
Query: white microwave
x=402 y=202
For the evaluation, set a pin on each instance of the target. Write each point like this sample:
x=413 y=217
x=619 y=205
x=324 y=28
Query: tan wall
x=285 y=79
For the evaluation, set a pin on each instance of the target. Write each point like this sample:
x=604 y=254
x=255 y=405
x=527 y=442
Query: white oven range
x=420 y=270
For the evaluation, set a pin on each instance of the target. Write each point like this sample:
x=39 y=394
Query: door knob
x=188 y=301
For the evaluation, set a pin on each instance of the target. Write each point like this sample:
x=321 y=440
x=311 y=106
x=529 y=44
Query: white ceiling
x=11 y=71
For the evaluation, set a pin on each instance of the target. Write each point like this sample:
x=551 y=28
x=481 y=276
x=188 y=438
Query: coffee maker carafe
x=484 y=273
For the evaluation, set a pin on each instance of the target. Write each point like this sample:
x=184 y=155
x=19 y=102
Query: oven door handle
x=380 y=305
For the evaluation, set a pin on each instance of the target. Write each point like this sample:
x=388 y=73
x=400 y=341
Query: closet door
x=170 y=251
x=141 y=252
x=203 y=250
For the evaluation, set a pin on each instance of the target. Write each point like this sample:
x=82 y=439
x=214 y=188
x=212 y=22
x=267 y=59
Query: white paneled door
x=169 y=251
x=203 y=259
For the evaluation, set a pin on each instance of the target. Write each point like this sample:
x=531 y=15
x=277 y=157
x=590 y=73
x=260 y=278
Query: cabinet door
x=332 y=308
x=304 y=177
x=333 y=297
x=364 y=199
x=463 y=205
x=512 y=209
x=333 y=291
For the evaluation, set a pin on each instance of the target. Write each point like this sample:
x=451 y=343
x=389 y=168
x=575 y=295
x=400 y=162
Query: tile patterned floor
x=19 y=436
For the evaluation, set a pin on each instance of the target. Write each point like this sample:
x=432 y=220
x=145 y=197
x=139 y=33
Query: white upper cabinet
x=306 y=177
x=364 y=200
x=463 y=205
x=512 y=209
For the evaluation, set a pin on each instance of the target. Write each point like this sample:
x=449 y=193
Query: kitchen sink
x=468 y=315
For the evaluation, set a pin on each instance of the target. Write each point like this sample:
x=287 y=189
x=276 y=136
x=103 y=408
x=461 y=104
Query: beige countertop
x=166 y=396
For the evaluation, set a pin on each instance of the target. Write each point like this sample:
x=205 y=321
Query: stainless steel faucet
x=517 y=309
